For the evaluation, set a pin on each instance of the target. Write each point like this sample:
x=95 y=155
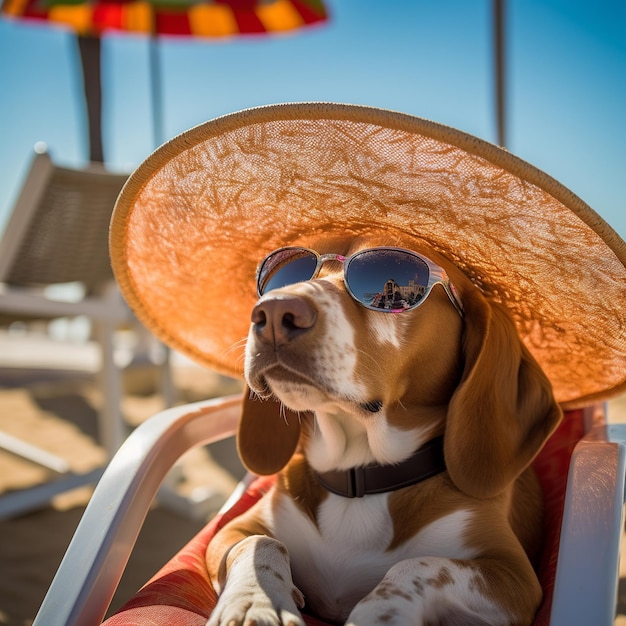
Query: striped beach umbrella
x=89 y=19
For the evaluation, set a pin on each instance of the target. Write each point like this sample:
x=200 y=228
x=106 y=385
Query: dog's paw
x=392 y=602
x=259 y=589
x=254 y=607
x=385 y=612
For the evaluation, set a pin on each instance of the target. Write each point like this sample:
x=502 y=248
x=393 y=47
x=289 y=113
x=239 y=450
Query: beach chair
x=57 y=234
x=581 y=468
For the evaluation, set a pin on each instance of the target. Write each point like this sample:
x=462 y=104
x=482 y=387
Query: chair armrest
x=24 y=301
x=92 y=567
x=587 y=573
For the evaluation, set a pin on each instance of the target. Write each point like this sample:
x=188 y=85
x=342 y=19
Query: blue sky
x=566 y=78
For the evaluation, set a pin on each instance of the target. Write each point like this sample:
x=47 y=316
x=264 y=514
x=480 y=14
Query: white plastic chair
x=57 y=233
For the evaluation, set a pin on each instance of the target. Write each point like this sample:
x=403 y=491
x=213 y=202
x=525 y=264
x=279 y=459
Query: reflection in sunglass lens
x=387 y=279
x=286 y=267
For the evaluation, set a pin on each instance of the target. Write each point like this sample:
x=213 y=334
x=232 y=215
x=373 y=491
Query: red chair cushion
x=552 y=466
x=180 y=594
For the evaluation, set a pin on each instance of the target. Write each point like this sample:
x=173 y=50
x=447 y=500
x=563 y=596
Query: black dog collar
x=357 y=482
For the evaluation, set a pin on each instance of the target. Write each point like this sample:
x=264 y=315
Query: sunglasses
x=390 y=280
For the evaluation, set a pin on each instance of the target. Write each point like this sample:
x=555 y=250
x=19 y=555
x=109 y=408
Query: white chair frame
x=58 y=233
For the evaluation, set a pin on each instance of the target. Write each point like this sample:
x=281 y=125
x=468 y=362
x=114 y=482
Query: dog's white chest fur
x=341 y=560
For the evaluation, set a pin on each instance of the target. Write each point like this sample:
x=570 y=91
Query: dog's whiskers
x=372 y=360
x=239 y=348
x=283 y=413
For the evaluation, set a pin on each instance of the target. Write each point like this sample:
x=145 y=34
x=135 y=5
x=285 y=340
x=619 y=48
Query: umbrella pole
x=90 y=62
x=156 y=89
x=500 y=69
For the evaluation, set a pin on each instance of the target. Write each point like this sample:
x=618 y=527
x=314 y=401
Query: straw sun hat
x=198 y=215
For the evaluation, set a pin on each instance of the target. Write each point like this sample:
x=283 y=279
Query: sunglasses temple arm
x=450 y=292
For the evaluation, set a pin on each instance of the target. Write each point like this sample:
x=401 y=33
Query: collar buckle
x=356 y=482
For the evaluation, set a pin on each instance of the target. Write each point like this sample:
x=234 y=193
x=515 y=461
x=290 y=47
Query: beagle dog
x=400 y=412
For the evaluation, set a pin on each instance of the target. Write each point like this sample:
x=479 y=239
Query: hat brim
x=197 y=216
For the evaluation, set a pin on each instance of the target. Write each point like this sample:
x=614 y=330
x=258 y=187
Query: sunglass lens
x=286 y=267
x=392 y=280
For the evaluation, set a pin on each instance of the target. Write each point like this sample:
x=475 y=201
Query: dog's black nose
x=279 y=320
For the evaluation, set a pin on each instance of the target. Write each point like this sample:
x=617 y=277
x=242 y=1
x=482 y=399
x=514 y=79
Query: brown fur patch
x=413 y=508
x=298 y=482
x=220 y=550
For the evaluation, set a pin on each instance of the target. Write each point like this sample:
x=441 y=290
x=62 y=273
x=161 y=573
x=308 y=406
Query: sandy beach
x=57 y=410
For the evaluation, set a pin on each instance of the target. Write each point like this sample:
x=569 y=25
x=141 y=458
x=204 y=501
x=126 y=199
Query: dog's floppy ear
x=503 y=410
x=268 y=434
